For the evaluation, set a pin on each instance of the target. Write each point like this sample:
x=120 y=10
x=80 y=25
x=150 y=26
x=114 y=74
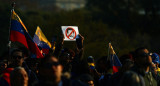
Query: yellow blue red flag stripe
x=40 y=39
x=115 y=62
x=19 y=33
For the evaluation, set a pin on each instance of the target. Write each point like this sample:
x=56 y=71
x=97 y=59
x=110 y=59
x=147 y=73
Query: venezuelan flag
x=115 y=62
x=19 y=33
x=40 y=39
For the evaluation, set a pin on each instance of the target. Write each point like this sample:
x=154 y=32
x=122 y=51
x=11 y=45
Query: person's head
x=66 y=56
x=3 y=65
x=17 y=57
x=103 y=65
x=143 y=57
x=91 y=63
x=19 y=77
x=126 y=62
x=50 y=69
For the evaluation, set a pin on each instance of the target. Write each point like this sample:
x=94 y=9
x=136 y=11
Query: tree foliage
x=120 y=22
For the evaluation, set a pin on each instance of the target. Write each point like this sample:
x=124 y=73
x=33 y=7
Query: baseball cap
x=155 y=58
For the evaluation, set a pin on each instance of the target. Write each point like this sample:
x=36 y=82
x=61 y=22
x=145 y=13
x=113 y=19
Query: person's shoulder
x=66 y=82
x=3 y=82
x=137 y=70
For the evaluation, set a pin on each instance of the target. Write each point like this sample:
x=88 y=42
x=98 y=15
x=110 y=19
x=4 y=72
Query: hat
x=90 y=59
x=155 y=58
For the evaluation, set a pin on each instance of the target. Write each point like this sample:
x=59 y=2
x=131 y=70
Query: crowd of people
x=65 y=67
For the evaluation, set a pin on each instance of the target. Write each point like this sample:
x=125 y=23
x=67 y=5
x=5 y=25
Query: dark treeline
x=128 y=24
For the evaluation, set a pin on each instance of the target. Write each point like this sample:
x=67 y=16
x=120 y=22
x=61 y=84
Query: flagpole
x=9 y=42
x=13 y=5
x=108 y=51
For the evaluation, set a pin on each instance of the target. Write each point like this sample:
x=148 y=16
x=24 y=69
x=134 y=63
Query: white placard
x=70 y=32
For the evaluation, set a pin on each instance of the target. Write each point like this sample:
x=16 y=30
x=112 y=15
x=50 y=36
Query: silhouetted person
x=19 y=77
x=87 y=79
x=131 y=78
x=50 y=72
x=127 y=64
x=16 y=60
x=142 y=65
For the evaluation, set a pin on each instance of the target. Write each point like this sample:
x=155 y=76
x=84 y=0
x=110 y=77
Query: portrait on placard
x=70 y=32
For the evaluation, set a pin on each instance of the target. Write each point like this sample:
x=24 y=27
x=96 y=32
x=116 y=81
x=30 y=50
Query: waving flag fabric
x=40 y=39
x=19 y=33
x=115 y=62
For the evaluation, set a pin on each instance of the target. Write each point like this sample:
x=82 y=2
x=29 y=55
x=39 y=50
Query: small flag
x=115 y=62
x=40 y=39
